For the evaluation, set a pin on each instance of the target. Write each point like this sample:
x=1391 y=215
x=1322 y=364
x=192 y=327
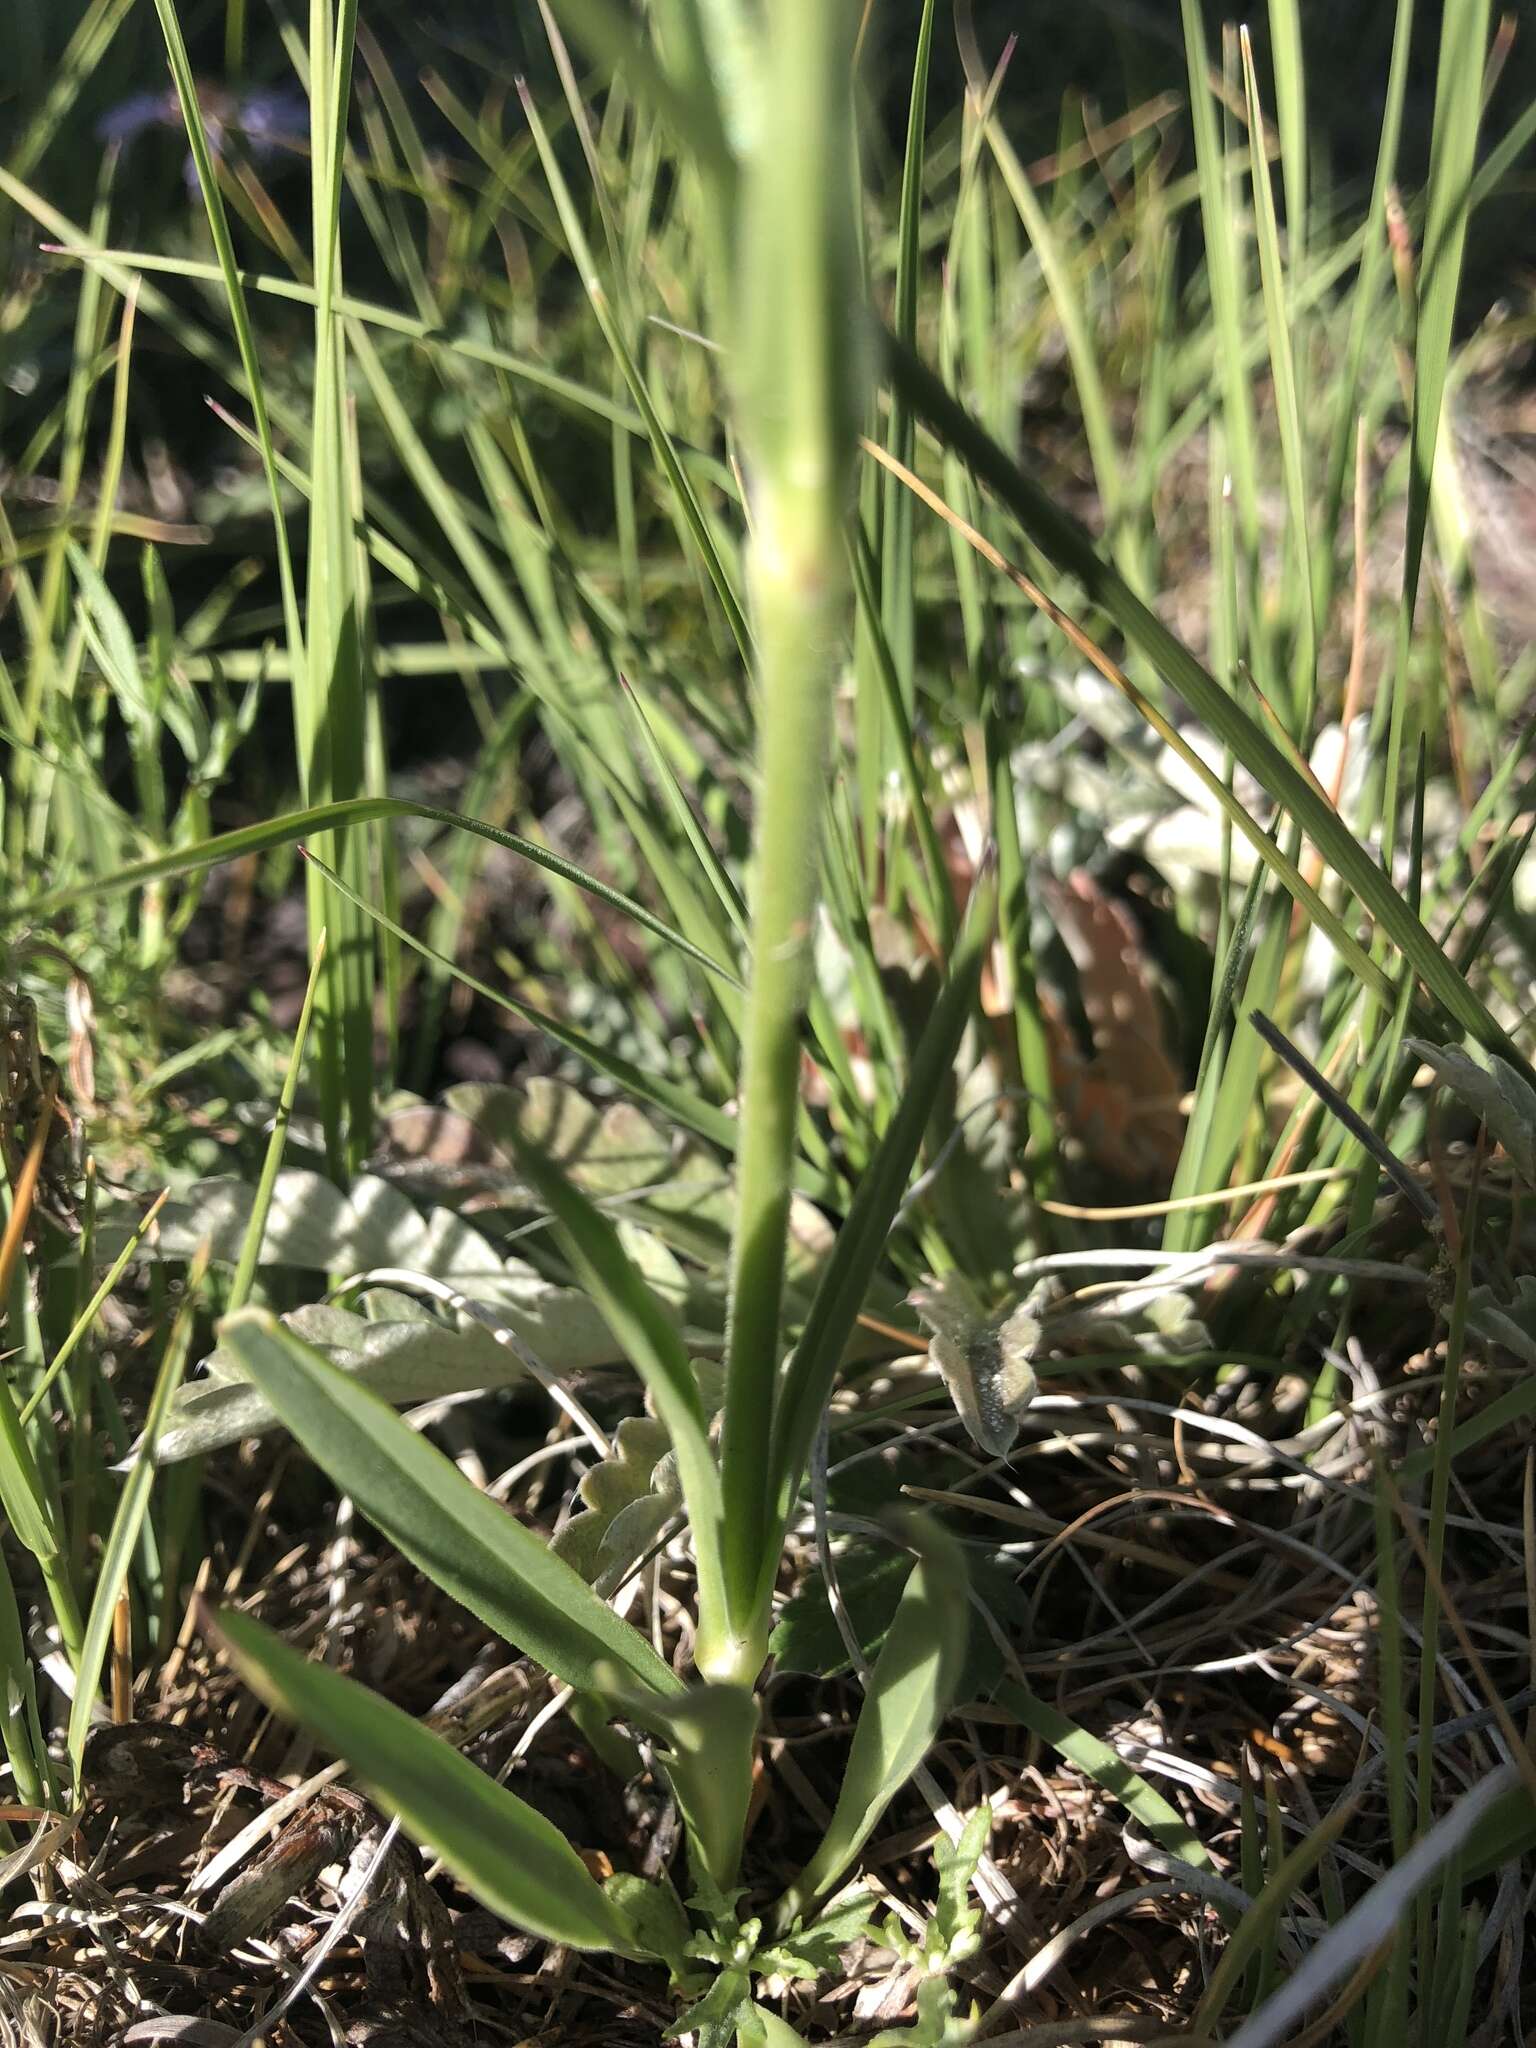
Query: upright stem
x=799 y=351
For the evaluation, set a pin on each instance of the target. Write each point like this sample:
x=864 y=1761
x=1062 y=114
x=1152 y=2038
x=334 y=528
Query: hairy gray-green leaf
x=1510 y=1323
x=627 y=1501
x=987 y=1362
x=403 y=1356
x=607 y=1151
x=1494 y=1091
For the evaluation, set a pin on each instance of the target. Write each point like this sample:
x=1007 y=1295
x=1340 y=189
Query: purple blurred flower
x=265 y=120
x=131 y=117
x=269 y=119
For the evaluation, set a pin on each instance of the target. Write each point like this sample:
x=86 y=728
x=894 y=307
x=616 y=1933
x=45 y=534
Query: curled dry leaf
x=1121 y=1100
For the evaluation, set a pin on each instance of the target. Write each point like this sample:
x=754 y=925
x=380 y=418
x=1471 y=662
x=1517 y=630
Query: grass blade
x=681 y=1104
x=272 y=1161
x=813 y=1368
x=1161 y=1821
x=1069 y=546
x=318 y=818
x=132 y=1506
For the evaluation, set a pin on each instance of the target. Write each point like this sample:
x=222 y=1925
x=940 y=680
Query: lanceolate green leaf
x=1068 y=545
x=910 y=1691
x=505 y=1851
x=653 y=1347
x=465 y=1542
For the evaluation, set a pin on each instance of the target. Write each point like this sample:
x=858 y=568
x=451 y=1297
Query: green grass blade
x=682 y=1104
x=1108 y=1768
x=98 y=1301
x=690 y=508
x=1476 y=1819
x=1293 y=457
x=85 y=51
x=1458 y=112
x=123 y=1536
x=28 y=1759
x=1256 y=1927
x=121 y=265
x=1223 y=273
x=1291 y=119
x=692 y=110
x=272 y=1160
x=1453 y=149
x=1368 y=282
x=1072 y=314
x=897 y=603
x=813 y=1368
x=330 y=704
x=297 y=825
x=1070 y=548
x=229 y=276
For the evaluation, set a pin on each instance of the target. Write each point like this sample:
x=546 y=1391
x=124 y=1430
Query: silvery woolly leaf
x=1511 y=1323
x=986 y=1362
x=1492 y=1089
x=403 y=1355
x=610 y=1150
x=1161 y=1325
x=312 y=1224
x=626 y=1502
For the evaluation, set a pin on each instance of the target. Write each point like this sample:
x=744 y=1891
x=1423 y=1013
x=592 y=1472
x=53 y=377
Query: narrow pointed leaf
x=910 y=1691
x=508 y=1854
x=650 y=1341
x=1161 y=1821
x=132 y=1506
x=812 y=1370
x=466 y=1543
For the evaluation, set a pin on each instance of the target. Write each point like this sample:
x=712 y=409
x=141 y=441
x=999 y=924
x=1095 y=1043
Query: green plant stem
x=799 y=402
